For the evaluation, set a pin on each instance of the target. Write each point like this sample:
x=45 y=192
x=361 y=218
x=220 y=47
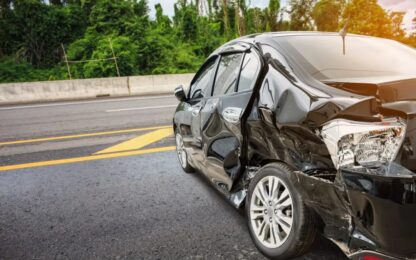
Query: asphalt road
x=69 y=190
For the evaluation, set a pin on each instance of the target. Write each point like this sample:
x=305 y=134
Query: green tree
x=240 y=25
x=397 y=23
x=5 y=13
x=227 y=27
x=126 y=51
x=367 y=17
x=272 y=15
x=256 y=20
x=31 y=32
x=36 y=30
x=124 y=23
x=327 y=14
x=118 y=17
x=186 y=20
x=301 y=15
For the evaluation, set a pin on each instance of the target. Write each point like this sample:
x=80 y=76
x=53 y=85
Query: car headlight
x=366 y=144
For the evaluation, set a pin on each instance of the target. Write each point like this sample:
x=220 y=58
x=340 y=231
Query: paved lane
x=50 y=119
x=140 y=206
x=55 y=120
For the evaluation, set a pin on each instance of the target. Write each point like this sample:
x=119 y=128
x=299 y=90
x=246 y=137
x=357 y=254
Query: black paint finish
x=229 y=137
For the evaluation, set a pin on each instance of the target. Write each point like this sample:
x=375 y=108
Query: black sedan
x=311 y=132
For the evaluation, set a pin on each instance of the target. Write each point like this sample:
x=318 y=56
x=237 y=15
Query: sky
x=168 y=5
x=408 y=6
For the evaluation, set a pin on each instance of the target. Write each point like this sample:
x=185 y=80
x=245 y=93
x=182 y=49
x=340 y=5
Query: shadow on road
x=322 y=249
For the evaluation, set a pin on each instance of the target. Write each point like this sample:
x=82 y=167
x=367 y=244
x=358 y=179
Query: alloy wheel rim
x=180 y=149
x=271 y=212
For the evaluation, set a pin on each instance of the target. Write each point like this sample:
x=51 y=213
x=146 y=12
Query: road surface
x=98 y=179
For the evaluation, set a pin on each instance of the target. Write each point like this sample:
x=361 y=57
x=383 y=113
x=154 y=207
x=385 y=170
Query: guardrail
x=26 y=92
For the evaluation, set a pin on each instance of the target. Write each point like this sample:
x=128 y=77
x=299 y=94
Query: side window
x=227 y=74
x=249 y=72
x=201 y=85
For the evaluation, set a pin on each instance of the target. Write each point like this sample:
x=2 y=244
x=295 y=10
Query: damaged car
x=310 y=133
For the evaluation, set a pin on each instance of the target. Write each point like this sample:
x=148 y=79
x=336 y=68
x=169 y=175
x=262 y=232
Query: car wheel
x=182 y=155
x=280 y=224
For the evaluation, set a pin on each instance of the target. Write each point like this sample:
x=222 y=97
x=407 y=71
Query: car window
x=249 y=72
x=323 y=56
x=227 y=74
x=201 y=86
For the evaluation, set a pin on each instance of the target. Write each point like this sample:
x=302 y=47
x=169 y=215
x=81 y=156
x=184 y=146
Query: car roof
x=253 y=38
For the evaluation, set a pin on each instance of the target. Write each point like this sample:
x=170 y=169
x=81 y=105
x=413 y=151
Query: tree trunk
x=226 y=18
x=239 y=20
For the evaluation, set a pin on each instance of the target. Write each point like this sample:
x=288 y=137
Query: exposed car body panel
x=285 y=124
x=282 y=119
x=325 y=193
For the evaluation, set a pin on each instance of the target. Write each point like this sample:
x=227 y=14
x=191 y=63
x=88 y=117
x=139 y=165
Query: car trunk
x=397 y=98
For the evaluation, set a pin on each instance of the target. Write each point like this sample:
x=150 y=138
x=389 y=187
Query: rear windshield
x=322 y=56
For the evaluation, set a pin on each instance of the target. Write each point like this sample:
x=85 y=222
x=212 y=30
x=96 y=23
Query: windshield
x=322 y=56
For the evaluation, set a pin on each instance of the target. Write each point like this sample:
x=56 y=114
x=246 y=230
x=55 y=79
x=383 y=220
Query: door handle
x=232 y=114
x=195 y=110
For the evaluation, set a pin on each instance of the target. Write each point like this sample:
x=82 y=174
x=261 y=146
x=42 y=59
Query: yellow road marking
x=81 y=135
x=86 y=158
x=139 y=142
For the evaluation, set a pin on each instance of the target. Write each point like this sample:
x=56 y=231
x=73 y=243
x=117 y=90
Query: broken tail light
x=363 y=144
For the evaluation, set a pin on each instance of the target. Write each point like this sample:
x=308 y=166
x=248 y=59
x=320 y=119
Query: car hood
x=397 y=96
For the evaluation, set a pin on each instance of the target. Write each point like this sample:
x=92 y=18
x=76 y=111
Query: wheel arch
x=295 y=179
x=305 y=229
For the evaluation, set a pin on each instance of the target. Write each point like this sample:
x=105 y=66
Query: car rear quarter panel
x=284 y=125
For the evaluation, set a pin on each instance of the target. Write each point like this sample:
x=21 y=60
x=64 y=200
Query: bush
x=11 y=71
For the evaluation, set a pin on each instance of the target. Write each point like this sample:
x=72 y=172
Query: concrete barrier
x=25 y=92
x=156 y=84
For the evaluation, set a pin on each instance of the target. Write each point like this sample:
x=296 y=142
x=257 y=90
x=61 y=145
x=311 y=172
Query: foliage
x=12 y=71
x=367 y=17
x=301 y=15
x=32 y=32
x=326 y=14
x=272 y=15
x=120 y=25
x=396 y=19
x=35 y=31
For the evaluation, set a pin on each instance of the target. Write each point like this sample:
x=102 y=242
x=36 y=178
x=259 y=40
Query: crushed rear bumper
x=383 y=210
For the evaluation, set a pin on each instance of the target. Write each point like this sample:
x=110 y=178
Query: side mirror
x=180 y=93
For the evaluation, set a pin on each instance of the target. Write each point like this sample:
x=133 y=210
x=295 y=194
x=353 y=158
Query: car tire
x=284 y=228
x=182 y=155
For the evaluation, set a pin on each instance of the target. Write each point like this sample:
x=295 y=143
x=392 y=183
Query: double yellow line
x=85 y=158
x=127 y=148
x=56 y=138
